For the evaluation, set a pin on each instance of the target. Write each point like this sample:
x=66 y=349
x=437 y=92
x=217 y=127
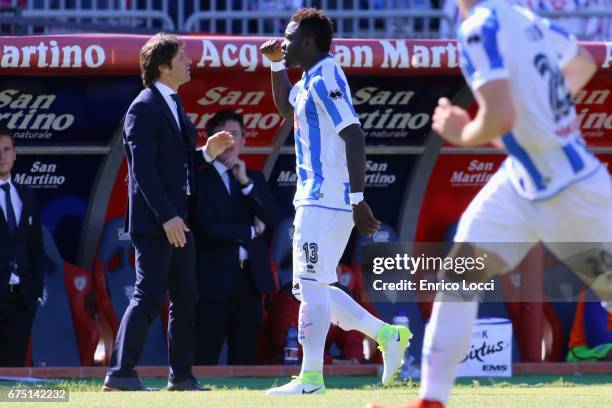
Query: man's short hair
x=218 y=120
x=6 y=132
x=313 y=23
x=159 y=50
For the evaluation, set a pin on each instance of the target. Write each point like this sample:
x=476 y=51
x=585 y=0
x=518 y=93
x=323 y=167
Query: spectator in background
x=591 y=334
x=234 y=208
x=283 y=314
x=21 y=258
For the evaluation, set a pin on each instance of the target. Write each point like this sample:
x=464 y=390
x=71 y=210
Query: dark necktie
x=181 y=115
x=10 y=212
x=233 y=183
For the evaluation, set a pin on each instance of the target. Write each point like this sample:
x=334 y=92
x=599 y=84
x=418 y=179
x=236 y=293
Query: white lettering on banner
x=71 y=56
x=247 y=56
x=388 y=123
x=361 y=56
x=593 y=124
x=606 y=63
x=27 y=121
x=286 y=178
x=397 y=55
x=44 y=177
x=253 y=121
x=478 y=173
x=377 y=175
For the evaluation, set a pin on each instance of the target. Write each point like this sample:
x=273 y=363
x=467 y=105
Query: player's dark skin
x=299 y=49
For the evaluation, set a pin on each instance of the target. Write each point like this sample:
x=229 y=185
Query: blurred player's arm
x=495 y=117
x=281 y=86
x=579 y=70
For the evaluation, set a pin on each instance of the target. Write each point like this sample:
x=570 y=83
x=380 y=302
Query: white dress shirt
x=17 y=206
x=243 y=255
x=167 y=93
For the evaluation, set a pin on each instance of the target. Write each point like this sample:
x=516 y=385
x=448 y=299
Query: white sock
x=350 y=315
x=446 y=342
x=313 y=322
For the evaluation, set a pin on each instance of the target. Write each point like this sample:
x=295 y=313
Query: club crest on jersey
x=335 y=94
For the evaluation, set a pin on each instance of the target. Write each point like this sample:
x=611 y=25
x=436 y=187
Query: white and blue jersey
x=546 y=150
x=322 y=109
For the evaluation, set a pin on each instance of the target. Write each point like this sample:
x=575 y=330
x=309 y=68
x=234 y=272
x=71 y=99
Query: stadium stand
x=588 y=19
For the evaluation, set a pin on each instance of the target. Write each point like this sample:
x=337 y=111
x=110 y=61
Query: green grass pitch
x=589 y=391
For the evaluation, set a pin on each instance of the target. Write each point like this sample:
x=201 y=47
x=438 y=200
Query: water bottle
x=292 y=353
x=408 y=369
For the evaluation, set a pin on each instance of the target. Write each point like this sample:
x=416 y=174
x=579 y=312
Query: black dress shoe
x=190 y=384
x=125 y=384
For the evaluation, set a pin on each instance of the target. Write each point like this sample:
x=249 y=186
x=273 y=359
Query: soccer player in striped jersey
x=330 y=152
x=523 y=71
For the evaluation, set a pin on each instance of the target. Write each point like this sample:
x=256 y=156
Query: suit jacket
x=26 y=248
x=158 y=155
x=223 y=225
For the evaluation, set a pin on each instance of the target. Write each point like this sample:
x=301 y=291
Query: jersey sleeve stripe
x=490 y=28
x=330 y=107
x=343 y=89
x=314 y=137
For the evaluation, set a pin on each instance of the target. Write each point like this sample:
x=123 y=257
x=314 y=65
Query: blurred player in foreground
x=523 y=71
x=330 y=150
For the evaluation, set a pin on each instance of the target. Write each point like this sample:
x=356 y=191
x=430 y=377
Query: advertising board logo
x=594 y=124
x=477 y=174
x=286 y=178
x=377 y=174
x=51 y=55
x=254 y=122
x=41 y=175
x=30 y=116
x=390 y=118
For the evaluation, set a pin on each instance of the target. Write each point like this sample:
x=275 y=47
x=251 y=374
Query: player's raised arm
x=281 y=86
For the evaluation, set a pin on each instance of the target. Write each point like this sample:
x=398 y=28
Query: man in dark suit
x=234 y=207
x=159 y=143
x=21 y=258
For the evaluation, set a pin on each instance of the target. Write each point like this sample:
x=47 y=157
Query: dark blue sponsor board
x=397 y=111
x=65 y=111
x=386 y=181
x=63 y=186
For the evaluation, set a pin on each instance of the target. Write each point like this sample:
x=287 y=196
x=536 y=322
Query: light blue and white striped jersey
x=546 y=150
x=322 y=108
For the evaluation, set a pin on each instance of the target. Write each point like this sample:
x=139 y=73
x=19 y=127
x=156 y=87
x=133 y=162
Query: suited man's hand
x=217 y=143
x=259 y=225
x=175 y=231
x=238 y=168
